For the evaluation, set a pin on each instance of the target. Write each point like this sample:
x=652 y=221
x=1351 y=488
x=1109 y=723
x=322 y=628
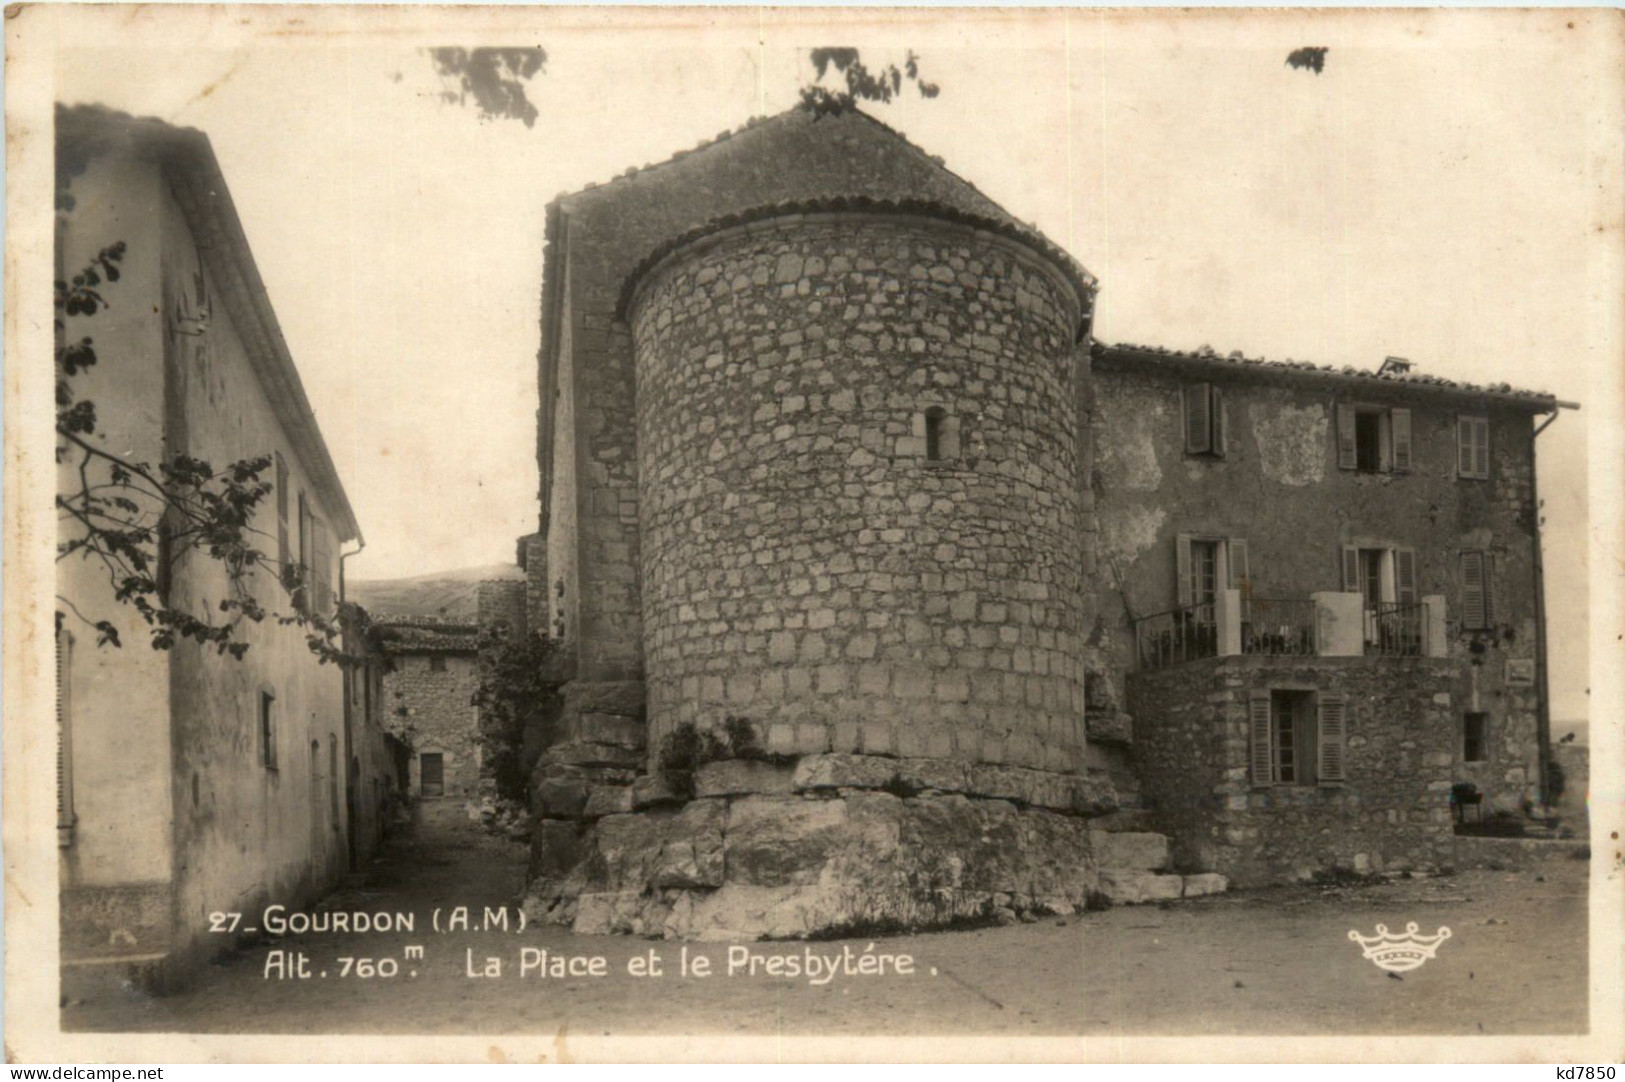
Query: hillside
x=439 y=593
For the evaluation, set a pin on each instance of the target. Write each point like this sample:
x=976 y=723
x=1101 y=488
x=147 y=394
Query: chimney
x=1398 y=366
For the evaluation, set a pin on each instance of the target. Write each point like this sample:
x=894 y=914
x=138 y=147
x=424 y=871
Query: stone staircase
x=1133 y=858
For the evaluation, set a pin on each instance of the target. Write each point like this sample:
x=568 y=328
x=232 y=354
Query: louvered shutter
x=64 y=739
x=1258 y=727
x=1198 y=418
x=1489 y=590
x=1473 y=447
x=282 y=554
x=1333 y=727
x=1473 y=608
x=1240 y=579
x=1347 y=457
x=1216 y=414
x=320 y=573
x=1351 y=570
x=1400 y=422
x=1405 y=576
x=1182 y=568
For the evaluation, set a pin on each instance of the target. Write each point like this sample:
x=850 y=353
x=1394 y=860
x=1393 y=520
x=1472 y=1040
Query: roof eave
x=1281 y=372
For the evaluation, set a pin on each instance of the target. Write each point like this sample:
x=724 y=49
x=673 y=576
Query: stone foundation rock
x=790 y=865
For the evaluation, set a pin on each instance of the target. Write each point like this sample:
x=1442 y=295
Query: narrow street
x=1269 y=962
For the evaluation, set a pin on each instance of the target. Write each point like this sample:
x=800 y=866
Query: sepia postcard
x=766 y=534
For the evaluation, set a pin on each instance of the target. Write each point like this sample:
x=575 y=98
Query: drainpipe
x=352 y=800
x=1543 y=706
x=345 y=556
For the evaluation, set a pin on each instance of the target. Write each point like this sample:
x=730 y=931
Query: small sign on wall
x=1520 y=672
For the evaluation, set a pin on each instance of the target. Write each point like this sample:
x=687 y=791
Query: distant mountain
x=439 y=593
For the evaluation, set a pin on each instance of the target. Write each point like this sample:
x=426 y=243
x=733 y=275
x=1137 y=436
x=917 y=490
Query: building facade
x=428 y=702
x=1322 y=586
x=192 y=783
x=827 y=447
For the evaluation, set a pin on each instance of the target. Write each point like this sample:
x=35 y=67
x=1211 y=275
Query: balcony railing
x=1278 y=628
x=1187 y=633
x=1327 y=624
x=1395 y=630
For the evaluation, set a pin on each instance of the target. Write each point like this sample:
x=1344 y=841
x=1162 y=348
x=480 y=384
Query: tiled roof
x=410 y=634
x=1206 y=355
x=1084 y=282
x=793 y=112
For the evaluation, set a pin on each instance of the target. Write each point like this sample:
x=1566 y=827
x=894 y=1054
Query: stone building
x=428 y=701
x=191 y=783
x=1323 y=586
x=827 y=448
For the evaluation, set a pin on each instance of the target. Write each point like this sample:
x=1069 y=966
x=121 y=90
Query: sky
x=1433 y=193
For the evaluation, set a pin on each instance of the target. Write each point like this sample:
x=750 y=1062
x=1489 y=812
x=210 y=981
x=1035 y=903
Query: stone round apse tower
x=815 y=543
x=859 y=485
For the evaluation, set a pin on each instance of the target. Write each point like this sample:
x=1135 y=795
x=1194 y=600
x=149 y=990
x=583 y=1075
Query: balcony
x=1321 y=625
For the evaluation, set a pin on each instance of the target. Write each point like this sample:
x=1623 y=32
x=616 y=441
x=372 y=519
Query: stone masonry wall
x=587 y=381
x=501 y=601
x=1278 y=486
x=435 y=712
x=803 y=563
x=1393 y=811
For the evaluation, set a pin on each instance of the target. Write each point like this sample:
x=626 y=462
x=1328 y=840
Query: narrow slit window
x=936 y=423
x=268 y=729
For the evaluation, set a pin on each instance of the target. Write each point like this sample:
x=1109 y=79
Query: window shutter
x=1240 y=579
x=1400 y=421
x=1182 y=568
x=1333 y=726
x=1216 y=403
x=1489 y=590
x=1472 y=590
x=1405 y=576
x=1258 y=726
x=1473 y=447
x=64 y=739
x=1351 y=570
x=282 y=554
x=319 y=574
x=1347 y=458
x=1198 y=418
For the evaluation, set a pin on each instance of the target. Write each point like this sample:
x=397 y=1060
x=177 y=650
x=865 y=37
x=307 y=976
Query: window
x=432 y=773
x=1477 y=591
x=283 y=556
x=307 y=543
x=1204 y=420
x=268 y=729
x=1473 y=447
x=1373 y=439
x=1475 y=732
x=1205 y=565
x=936 y=435
x=934 y=422
x=1297 y=737
x=321 y=583
x=1385 y=578
x=65 y=817
x=437 y=663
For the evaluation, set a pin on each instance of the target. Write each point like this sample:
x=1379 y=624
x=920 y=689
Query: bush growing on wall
x=515 y=690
